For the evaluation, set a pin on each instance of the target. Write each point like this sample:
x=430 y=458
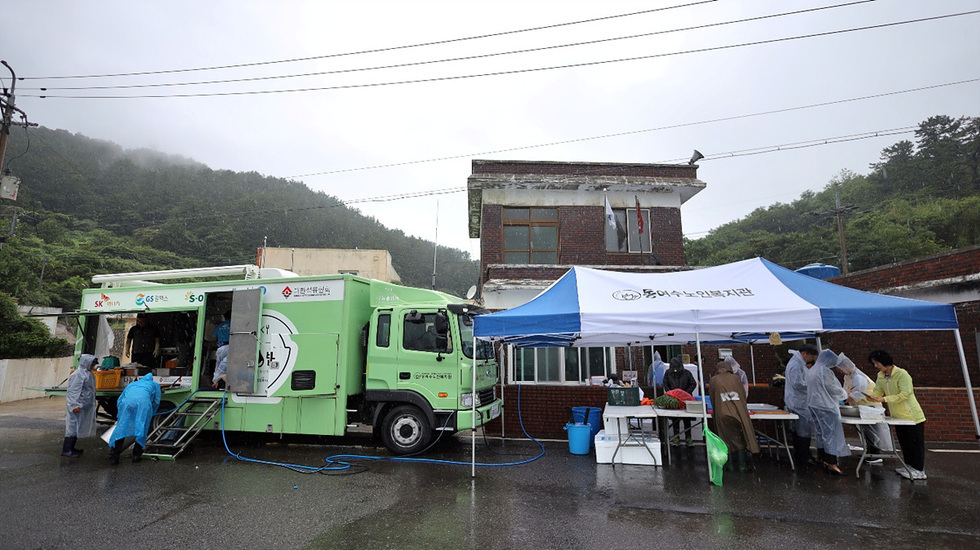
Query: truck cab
x=420 y=371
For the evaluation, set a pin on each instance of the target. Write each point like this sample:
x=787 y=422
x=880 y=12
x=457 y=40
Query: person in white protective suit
x=858 y=386
x=794 y=395
x=823 y=396
x=136 y=405
x=80 y=406
x=737 y=371
x=655 y=374
x=220 y=368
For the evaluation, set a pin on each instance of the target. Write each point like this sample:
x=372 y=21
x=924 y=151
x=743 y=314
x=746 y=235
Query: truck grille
x=486 y=396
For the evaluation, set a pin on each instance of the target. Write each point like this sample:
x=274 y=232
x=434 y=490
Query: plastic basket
x=107 y=379
x=624 y=397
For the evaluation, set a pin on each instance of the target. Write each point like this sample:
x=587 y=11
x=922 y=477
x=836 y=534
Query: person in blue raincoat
x=80 y=406
x=794 y=395
x=823 y=396
x=136 y=406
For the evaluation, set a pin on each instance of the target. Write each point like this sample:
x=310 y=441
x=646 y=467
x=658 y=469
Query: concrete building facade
x=372 y=264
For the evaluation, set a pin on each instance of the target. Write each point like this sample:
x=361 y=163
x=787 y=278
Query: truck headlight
x=466 y=400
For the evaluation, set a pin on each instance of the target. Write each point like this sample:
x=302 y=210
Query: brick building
x=535 y=219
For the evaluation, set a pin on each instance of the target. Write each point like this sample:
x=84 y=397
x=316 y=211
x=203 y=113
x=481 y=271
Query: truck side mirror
x=442 y=323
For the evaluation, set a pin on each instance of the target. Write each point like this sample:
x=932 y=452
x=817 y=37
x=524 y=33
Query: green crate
x=625 y=397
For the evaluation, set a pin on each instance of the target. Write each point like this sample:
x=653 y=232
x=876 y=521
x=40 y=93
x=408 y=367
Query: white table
x=779 y=417
x=865 y=455
x=629 y=435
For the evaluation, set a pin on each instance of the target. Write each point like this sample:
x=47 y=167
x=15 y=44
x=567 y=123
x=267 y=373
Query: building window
x=530 y=235
x=626 y=236
x=560 y=365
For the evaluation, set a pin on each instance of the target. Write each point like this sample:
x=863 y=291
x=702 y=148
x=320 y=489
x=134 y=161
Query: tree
x=23 y=338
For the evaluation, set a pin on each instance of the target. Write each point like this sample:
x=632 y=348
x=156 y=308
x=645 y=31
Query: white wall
x=18 y=374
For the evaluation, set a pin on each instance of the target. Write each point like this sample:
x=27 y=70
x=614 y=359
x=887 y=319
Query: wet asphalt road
x=208 y=499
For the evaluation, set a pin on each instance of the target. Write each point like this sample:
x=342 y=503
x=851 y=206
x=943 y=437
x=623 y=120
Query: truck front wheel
x=405 y=430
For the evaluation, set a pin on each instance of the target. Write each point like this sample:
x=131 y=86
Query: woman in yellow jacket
x=894 y=386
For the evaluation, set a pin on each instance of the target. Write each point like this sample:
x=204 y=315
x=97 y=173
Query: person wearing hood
x=894 y=386
x=80 y=406
x=731 y=414
x=220 y=378
x=655 y=374
x=136 y=406
x=678 y=377
x=794 y=395
x=823 y=396
x=858 y=386
x=737 y=370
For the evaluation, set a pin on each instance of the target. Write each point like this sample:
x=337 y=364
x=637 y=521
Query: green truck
x=307 y=355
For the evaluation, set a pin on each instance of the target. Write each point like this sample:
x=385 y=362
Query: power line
x=804 y=144
x=508 y=72
x=452 y=190
x=379 y=50
x=634 y=132
x=452 y=59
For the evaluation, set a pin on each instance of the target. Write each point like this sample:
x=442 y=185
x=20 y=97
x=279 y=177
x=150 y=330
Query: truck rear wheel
x=165 y=407
x=405 y=430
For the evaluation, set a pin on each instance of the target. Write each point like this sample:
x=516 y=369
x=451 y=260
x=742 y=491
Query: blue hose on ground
x=339 y=462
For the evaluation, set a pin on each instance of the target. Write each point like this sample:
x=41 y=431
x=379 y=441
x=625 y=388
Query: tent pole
x=969 y=387
x=752 y=356
x=704 y=401
x=473 y=414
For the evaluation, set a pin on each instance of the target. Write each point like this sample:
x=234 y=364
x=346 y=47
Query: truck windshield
x=484 y=350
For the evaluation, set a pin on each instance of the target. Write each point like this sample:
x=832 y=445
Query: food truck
x=307 y=355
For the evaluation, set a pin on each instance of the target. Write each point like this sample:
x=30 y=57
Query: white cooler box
x=630 y=453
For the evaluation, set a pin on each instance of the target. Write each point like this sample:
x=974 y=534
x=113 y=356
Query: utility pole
x=435 y=247
x=839 y=211
x=8 y=111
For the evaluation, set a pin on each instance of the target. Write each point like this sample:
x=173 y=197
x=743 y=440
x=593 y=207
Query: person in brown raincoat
x=731 y=414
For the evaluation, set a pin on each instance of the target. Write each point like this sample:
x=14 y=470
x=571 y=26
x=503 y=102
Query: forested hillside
x=88 y=206
x=920 y=198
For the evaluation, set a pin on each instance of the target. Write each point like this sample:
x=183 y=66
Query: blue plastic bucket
x=588 y=415
x=578 y=438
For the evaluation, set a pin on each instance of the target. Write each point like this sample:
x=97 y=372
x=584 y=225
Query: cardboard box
x=632 y=452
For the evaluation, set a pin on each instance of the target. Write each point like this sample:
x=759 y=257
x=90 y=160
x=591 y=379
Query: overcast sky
x=361 y=130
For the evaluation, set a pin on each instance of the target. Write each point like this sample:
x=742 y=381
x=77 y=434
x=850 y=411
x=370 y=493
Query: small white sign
x=8 y=187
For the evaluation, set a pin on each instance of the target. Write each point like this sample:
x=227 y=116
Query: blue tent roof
x=743 y=301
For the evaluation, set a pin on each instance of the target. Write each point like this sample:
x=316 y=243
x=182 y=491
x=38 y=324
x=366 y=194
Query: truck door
x=427 y=362
x=243 y=351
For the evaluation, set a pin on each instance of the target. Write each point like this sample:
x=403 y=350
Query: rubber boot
x=67 y=448
x=137 y=452
x=113 y=456
x=73 y=448
x=741 y=460
x=730 y=465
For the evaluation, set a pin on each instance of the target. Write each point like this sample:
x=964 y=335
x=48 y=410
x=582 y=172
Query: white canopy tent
x=744 y=302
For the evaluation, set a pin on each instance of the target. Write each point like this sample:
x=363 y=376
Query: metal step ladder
x=172 y=435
